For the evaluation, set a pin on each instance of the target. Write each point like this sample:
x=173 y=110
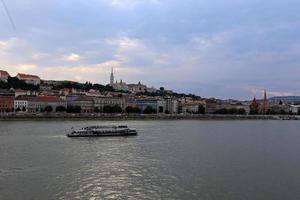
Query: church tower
x=112 y=77
x=265 y=103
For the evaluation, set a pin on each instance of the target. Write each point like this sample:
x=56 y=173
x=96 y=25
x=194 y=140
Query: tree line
x=14 y=82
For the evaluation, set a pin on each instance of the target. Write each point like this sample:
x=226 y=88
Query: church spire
x=112 y=77
x=265 y=103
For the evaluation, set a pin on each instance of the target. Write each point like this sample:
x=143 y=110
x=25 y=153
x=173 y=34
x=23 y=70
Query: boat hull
x=102 y=134
x=103 y=131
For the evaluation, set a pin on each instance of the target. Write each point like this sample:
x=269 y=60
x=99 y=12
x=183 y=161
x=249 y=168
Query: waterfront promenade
x=90 y=116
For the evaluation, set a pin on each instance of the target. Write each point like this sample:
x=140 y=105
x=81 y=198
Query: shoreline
x=91 y=116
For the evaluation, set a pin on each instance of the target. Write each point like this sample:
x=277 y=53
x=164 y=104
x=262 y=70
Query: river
x=187 y=159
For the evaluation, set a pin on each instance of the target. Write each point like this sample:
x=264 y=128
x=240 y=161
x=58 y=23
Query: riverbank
x=89 y=116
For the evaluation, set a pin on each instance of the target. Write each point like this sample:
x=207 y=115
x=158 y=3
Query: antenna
x=8 y=15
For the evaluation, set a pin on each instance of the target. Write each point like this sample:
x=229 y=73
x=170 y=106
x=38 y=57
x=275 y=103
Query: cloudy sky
x=221 y=48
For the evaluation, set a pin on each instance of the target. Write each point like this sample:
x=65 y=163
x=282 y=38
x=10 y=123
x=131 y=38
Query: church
x=123 y=86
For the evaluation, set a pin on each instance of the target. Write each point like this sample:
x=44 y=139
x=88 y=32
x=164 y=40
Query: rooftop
x=84 y=98
x=4 y=73
x=25 y=97
x=27 y=76
x=47 y=99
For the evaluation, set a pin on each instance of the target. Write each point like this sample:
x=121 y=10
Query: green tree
x=107 y=109
x=241 y=111
x=160 y=109
x=73 y=109
x=271 y=112
x=23 y=109
x=96 y=110
x=149 y=110
x=77 y=109
x=222 y=111
x=232 y=111
x=14 y=82
x=136 y=110
x=61 y=109
x=116 y=109
x=48 y=109
x=283 y=112
x=18 y=109
x=253 y=111
x=201 y=109
x=129 y=109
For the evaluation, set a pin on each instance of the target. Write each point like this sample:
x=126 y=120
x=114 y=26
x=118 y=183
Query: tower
x=264 y=109
x=254 y=107
x=112 y=77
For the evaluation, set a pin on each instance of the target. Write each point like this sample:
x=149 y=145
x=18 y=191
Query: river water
x=209 y=160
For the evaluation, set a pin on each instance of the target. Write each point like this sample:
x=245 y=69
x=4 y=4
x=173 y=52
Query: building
x=295 y=109
x=136 y=88
x=7 y=92
x=254 y=106
x=285 y=99
x=55 y=83
x=264 y=106
x=29 y=79
x=64 y=92
x=171 y=105
x=4 y=75
x=144 y=102
x=151 y=90
x=189 y=107
x=6 y=104
x=20 y=92
x=47 y=92
x=39 y=103
x=100 y=102
x=161 y=105
x=211 y=106
x=86 y=103
x=120 y=86
x=21 y=103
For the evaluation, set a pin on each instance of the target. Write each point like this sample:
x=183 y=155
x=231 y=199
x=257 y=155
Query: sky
x=221 y=48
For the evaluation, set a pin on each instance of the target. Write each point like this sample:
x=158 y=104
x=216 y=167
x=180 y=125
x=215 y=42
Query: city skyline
x=192 y=46
x=119 y=85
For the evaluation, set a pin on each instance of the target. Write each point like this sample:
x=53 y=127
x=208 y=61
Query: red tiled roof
x=84 y=98
x=25 y=97
x=5 y=98
x=47 y=99
x=4 y=73
x=27 y=76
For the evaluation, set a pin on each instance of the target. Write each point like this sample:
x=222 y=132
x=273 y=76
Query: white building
x=295 y=109
x=20 y=92
x=171 y=105
x=29 y=79
x=100 y=102
x=36 y=104
x=21 y=103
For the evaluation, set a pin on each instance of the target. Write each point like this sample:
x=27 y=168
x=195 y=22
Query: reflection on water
x=167 y=160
